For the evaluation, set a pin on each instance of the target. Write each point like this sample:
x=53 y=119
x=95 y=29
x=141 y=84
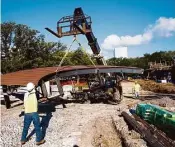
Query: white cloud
x=164 y=27
x=121 y=52
x=113 y=41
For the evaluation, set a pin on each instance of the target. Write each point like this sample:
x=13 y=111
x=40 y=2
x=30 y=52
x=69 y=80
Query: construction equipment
x=79 y=23
x=158 y=116
x=94 y=76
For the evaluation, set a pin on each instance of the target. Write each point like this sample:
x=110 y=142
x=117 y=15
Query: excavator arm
x=79 y=23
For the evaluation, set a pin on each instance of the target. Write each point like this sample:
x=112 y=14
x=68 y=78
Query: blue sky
x=119 y=18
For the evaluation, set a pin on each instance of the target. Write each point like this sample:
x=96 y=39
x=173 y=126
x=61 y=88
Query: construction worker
x=109 y=85
x=136 y=89
x=118 y=92
x=31 y=114
x=113 y=90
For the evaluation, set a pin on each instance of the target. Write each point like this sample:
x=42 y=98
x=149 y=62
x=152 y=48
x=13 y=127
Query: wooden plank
x=159 y=134
x=145 y=133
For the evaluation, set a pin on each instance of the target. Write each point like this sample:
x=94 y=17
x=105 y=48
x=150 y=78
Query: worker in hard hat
x=109 y=85
x=31 y=114
x=136 y=89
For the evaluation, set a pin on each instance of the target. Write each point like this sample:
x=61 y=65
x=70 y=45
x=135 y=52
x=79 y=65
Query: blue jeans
x=28 y=118
x=137 y=94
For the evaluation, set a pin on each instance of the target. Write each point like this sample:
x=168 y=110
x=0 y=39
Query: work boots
x=41 y=142
x=23 y=142
x=37 y=143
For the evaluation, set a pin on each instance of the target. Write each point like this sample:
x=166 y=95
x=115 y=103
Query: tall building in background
x=121 y=52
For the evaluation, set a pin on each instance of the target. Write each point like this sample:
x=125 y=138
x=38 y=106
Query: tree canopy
x=142 y=62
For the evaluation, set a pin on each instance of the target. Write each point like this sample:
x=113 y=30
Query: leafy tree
x=142 y=62
x=7 y=30
x=25 y=48
x=80 y=58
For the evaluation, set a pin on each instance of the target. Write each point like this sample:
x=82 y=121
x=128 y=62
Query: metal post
x=43 y=89
x=100 y=79
x=60 y=88
x=6 y=98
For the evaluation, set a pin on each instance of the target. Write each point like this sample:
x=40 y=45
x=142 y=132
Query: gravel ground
x=84 y=125
x=66 y=127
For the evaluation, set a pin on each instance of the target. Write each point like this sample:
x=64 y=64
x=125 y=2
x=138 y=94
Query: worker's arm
x=23 y=107
x=133 y=89
x=25 y=97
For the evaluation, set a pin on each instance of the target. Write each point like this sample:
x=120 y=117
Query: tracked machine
x=86 y=83
x=101 y=85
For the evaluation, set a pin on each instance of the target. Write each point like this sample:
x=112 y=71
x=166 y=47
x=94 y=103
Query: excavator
x=108 y=85
x=94 y=83
x=80 y=23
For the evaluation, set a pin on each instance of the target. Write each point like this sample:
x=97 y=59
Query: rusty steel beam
x=44 y=89
x=158 y=133
x=76 y=32
x=36 y=75
x=143 y=131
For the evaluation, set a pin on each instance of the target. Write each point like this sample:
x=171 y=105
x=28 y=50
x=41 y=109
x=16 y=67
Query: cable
x=81 y=47
x=85 y=52
x=62 y=60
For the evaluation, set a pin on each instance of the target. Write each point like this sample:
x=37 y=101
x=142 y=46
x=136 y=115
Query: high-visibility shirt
x=30 y=102
x=136 y=87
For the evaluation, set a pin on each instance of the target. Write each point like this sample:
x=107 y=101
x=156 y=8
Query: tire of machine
x=117 y=95
x=7 y=101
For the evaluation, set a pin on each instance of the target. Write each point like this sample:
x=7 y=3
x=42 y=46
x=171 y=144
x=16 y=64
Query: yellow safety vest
x=136 y=87
x=30 y=103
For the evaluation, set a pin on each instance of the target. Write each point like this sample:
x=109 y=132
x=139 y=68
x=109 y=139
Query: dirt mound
x=100 y=133
x=157 y=87
x=166 y=102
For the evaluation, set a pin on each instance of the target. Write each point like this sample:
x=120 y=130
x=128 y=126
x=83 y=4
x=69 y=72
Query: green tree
x=25 y=48
x=142 y=62
x=7 y=30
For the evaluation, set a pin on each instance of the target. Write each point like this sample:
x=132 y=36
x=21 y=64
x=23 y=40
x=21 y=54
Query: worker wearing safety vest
x=31 y=114
x=136 y=89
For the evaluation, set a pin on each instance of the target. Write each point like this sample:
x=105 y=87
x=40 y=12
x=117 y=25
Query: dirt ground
x=83 y=125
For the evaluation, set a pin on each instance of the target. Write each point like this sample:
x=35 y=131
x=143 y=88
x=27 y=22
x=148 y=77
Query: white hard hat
x=30 y=86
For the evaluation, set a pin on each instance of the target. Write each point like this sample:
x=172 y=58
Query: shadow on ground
x=47 y=109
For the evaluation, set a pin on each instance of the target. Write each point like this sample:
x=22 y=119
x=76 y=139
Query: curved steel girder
x=94 y=71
